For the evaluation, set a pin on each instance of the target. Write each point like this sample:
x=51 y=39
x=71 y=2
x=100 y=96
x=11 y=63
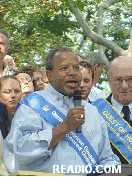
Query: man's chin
x=125 y=100
x=70 y=91
x=84 y=97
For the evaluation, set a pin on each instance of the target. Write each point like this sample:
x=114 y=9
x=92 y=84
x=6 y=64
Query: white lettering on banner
x=89 y=155
x=86 y=169
x=56 y=116
x=77 y=138
x=74 y=142
x=86 y=158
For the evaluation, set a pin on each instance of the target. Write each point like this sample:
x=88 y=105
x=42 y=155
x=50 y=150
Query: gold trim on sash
x=120 y=152
x=118 y=113
x=125 y=122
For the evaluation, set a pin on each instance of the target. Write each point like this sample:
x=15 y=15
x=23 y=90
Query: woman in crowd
x=37 y=77
x=10 y=95
x=25 y=82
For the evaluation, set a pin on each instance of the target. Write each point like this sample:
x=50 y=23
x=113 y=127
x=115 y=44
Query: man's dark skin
x=65 y=79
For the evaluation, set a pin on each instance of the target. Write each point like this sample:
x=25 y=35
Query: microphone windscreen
x=77 y=95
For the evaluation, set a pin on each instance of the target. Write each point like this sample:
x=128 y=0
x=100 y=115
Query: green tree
x=35 y=27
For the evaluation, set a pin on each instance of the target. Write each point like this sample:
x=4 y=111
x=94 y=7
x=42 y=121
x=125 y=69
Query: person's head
x=38 y=80
x=87 y=79
x=63 y=70
x=97 y=63
x=9 y=61
x=3 y=44
x=10 y=92
x=120 y=79
x=25 y=82
x=36 y=75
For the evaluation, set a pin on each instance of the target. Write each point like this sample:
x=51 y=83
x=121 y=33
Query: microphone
x=77 y=102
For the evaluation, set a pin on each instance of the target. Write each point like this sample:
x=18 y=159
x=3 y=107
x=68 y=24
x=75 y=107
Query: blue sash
x=120 y=132
x=55 y=117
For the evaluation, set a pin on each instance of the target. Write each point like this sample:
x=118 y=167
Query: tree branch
x=129 y=51
x=94 y=37
x=100 y=32
x=89 y=13
x=108 y=3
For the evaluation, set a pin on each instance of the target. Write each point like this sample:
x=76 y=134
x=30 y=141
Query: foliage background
x=37 y=26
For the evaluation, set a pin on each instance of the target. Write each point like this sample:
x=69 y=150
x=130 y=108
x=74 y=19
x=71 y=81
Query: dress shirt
x=119 y=106
x=96 y=94
x=26 y=146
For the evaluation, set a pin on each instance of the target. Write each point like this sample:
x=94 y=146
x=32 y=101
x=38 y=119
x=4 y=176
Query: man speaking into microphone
x=43 y=133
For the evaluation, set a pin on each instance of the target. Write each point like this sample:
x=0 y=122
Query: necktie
x=126 y=112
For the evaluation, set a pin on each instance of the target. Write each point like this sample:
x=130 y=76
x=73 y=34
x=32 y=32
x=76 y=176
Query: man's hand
x=75 y=117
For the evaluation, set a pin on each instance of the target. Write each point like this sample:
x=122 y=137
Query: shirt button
x=57 y=99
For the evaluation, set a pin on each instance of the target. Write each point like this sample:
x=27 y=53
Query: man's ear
x=95 y=66
x=49 y=74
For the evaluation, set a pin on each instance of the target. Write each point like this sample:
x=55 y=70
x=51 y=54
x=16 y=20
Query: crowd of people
x=39 y=118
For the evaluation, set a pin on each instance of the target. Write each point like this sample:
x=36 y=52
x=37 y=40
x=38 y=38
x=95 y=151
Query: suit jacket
x=3 y=120
x=122 y=159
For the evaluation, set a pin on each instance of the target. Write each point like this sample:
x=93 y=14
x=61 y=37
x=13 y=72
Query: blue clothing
x=26 y=146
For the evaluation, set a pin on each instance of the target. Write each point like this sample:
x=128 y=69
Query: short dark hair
x=30 y=70
x=93 y=57
x=27 y=69
x=49 y=59
x=88 y=66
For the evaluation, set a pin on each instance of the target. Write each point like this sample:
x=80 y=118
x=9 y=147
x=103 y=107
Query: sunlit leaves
x=37 y=26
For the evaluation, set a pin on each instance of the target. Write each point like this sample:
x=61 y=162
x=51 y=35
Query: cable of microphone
x=77 y=102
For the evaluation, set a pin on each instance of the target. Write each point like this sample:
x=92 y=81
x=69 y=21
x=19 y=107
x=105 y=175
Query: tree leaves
x=37 y=26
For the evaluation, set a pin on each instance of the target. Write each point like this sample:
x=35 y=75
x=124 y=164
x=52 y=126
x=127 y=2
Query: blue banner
x=55 y=117
x=119 y=130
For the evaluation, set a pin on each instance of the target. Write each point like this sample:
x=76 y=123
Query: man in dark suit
x=117 y=108
x=3 y=120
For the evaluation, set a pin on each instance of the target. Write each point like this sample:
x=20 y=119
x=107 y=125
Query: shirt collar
x=119 y=106
x=88 y=100
x=60 y=98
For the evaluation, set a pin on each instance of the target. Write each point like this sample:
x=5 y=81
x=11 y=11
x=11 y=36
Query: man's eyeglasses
x=119 y=80
x=66 y=68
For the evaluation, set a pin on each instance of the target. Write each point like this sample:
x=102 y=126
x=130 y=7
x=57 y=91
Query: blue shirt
x=26 y=146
